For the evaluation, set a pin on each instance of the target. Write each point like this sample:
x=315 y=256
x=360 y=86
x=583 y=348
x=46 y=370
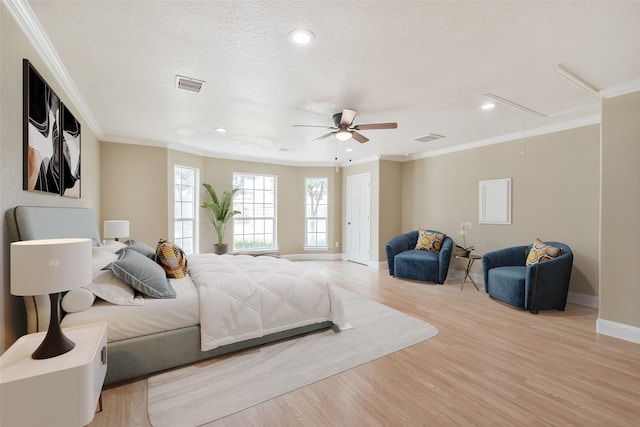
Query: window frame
x=307 y=246
x=195 y=203
x=239 y=203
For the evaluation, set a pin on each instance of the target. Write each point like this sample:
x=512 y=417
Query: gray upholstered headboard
x=45 y=222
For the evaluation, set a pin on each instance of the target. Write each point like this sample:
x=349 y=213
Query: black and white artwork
x=41 y=134
x=70 y=151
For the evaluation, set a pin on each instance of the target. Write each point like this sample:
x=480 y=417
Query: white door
x=358 y=218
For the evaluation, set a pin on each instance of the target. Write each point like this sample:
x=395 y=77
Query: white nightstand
x=60 y=391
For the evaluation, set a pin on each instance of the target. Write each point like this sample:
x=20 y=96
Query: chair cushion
x=429 y=241
x=417 y=265
x=540 y=252
x=507 y=284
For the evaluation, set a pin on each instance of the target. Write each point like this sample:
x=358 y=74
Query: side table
x=59 y=391
x=467 y=263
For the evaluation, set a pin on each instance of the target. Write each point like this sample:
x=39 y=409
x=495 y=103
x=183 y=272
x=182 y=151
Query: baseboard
x=618 y=330
x=313 y=257
x=583 y=299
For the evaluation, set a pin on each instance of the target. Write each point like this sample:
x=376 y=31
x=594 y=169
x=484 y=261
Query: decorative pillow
x=77 y=300
x=141 y=247
x=172 y=259
x=108 y=287
x=101 y=257
x=540 y=252
x=142 y=273
x=429 y=241
x=112 y=246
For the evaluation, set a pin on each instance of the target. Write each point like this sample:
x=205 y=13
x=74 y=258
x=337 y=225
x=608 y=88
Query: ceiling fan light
x=343 y=135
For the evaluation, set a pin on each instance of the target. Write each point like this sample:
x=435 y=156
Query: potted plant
x=221 y=214
x=464 y=250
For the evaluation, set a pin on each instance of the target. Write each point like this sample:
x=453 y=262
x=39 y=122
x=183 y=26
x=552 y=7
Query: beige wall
x=134 y=187
x=555 y=190
x=13 y=48
x=390 y=204
x=619 y=288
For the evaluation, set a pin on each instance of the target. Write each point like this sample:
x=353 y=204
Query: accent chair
x=528 y=277
x=428 y=264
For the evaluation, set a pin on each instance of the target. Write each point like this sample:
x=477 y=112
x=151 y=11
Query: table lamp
x=116 y=229
x=51 y=266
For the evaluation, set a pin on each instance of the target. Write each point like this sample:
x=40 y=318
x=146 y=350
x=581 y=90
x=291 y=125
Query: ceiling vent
x=285 y=149
x=187 y=83
x=429 y=138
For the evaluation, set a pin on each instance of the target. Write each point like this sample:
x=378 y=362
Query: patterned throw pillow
x=429 y=241
x=172 y=259
x=540 y=252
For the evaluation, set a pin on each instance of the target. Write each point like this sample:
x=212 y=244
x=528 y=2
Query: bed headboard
x=46 y=222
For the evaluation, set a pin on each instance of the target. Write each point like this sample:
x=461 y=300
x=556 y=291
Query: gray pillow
x=142 y=273
x=141 y=247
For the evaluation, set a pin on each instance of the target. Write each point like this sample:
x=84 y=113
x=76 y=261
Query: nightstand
x=470 y=259
x=60 y=391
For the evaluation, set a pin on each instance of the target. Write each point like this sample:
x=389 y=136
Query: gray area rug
x=204 y=392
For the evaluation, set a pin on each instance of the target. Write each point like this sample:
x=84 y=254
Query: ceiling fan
x=344 y=129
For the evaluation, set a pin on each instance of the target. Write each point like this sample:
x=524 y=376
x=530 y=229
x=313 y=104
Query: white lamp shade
x=116 y=229
x=41 y=267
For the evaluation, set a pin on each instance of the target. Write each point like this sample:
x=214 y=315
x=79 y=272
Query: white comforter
x=244 y=297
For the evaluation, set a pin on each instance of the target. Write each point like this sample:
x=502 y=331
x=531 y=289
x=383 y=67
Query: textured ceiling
x=424 y=65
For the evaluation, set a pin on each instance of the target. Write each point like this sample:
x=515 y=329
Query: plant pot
x=220 y=249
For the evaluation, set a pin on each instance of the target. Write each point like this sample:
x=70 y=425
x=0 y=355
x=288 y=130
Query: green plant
x=220 y=209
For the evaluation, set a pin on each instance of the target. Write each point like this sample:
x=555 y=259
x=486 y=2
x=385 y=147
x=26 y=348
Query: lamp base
x=55 y=342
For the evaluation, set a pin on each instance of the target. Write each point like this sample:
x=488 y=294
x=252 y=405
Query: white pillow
x=108 y=287
x=77 y=300
x=100 y=258
x=112 y=246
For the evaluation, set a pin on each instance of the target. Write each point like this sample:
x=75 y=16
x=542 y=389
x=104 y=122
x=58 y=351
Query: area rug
x=207 y=391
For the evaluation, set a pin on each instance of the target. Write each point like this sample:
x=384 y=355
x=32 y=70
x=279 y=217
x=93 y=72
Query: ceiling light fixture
x=221 y=130
x=343 y=135
x=488 y=106
x=349 y=150
x=301 y=37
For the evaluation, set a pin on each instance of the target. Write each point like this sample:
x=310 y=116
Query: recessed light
x=301 y=37
x=349 y=149
x=488 y=106
x=221 y=130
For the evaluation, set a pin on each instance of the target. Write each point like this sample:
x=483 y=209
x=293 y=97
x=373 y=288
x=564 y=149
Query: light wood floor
x=490 y=365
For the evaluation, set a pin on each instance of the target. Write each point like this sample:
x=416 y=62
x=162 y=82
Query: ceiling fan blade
x=359 y=137
x=347 y=117
x=372 y=126
x=313 y=126
x=320 y=138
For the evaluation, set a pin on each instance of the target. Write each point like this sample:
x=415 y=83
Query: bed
x=225 y=303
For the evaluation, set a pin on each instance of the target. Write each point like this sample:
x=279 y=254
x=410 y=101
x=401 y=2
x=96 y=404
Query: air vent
x=429 y=138
x=285 y=149
x=187 y=83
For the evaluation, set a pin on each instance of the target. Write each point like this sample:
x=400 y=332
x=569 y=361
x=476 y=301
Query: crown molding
x=30 y=26
x=571 y=124
x=621 y=89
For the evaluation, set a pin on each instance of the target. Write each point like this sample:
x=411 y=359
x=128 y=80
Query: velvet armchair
x=406 y=262
x=540 y=286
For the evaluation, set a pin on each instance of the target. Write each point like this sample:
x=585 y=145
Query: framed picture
x=70 y=152
x=495 y=201
x=41 y=134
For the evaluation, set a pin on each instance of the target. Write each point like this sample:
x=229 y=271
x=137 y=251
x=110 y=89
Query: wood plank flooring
x=490 y=365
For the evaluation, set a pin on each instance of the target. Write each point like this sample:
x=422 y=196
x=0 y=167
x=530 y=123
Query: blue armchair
x=540 y=286
x=406 y=262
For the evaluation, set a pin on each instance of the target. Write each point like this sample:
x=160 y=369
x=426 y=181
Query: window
x=317 y=212
x=185 y=208
x=255 y=226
